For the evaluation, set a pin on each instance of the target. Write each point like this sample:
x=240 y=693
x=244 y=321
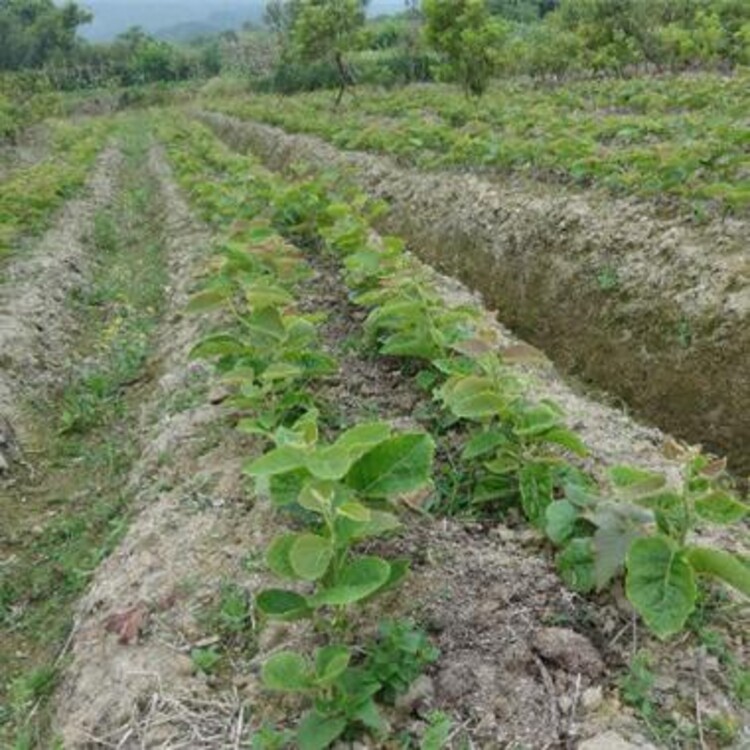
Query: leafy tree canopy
x=35 y=32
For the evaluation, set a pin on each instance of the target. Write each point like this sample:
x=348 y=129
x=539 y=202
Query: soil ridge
x=36 y=323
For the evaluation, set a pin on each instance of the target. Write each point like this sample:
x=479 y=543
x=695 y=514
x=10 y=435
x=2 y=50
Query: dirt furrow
x=654 y=312
x=36 y=323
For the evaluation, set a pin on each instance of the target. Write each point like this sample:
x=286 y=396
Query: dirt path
x=654 y=312
x=36 y=323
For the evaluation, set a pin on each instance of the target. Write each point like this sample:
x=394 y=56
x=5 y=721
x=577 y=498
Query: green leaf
x=536 y=486
x=355 y=511
x=482 y=443
x=310 y=556
x=317 y=732
x=576 y=565
x=720 y=507
x=260 y=296
x=472 y=397
x=567 y=439
x=536 y=420
x=632 y=483
x=267 y=321
x=399 y=465
x=287 y=671
x=280 y=371
x=660 y=584
x=277 y=556
x=283 y=605
x=317 y=496
x=284 y=489
x=209 y=299
x=330 y=662
x=218 y=345
x=276 y=461
x=330 y=462
x=380 y=522
x=722 y=565
x=360 y=439
x=561 y=517
x=357 y=580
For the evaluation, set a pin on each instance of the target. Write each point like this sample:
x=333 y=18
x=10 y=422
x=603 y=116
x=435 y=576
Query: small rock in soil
x=569 y=650
x=592 y=698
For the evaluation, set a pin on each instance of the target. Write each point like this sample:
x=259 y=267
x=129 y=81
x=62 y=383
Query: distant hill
x=181 y=20
x=174 y=19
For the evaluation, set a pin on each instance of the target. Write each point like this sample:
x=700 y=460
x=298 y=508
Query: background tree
x=468 y=36
x=36 y=32
x=327 y=29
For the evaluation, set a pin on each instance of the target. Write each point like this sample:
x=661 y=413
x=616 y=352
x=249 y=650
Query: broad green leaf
x=399 y=465
x=660 y=584
x=399 y=571
x=209 y=299
x=576 y=565
x=316 y=732
x=307 y=426
x=283 y=605
x=276 y=461
x=277 y=556
x=360 y=439
x=310 y=556
x=567 y=439
x=218 y=345
x=355 y=511
x=669 y=511
x=357 y=580
x=284 y=489
x=504 y=463
x=482 y=443
x=260 y=296
x=410 y=344
x=722 y=565
x=268 y=322
x=472 y=397
x=531 y=421
x=280 y=371
x=287 y=671
x=330 y=663
x=330 y=462
x=632 y=482
x=720 y=507
x=317 y=496
x=380 y=522
x=561 y=517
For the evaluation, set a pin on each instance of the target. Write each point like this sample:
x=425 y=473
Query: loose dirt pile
x=36 y=323
x=653 y=311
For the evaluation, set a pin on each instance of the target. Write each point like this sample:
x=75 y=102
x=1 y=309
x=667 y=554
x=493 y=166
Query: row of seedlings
x=519 y=451
x=337 y=493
